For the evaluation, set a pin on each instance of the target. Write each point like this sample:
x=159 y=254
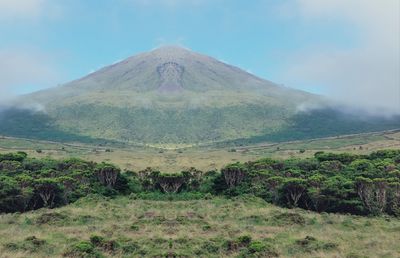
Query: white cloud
x=24 y=68
x=19 y=68
x=367 y=76
x=30 y=10
x=169 y=3
x=14 y=9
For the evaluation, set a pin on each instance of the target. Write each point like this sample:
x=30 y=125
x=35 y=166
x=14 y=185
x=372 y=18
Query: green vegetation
x=88 y=209
x=27 y=184
x=344 y=183
x=356 y=184
x=245 y=226
x=35 y=125
x=320 y=123
x=173 y=110
x=172 y=158
x=236 y=125
x=212 y=102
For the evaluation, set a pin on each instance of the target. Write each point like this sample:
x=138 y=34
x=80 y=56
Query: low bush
x=344 y=183
x=30 y=244
x=288 y=218
x=311 y=244
x=83 y=249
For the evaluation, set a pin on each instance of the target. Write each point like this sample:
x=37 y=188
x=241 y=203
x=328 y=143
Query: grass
x=169 y=159
x=217 y=227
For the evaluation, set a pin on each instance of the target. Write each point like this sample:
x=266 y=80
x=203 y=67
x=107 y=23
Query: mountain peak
x=171 y=49
x=171 y=71
x=171 y=53
x=172 y=95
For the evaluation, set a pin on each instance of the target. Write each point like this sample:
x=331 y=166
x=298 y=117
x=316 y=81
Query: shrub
x=129 y=247
x=256 y=247
x=30 y=244
x=96 y=240
x=82 y=249
x=310 y=244
x=52 y=218
x=210 y=247
x=288 y=218
x=134 y=227
x=345 y=183
x=244 y=240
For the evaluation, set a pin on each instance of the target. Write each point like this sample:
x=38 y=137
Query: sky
x=347 y=50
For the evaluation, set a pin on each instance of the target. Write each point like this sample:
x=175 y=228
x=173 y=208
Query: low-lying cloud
x=15 y=9
x=366 y=76
x=20 y=68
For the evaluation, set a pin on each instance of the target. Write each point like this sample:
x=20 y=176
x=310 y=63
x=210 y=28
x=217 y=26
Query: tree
x=47 y=189
x=315 y=192
x=192 y=178
x=69 y=185
x=394 y=193
x=234 y=174
x=293 y=189
x=25 y=183
x=273 y=185
x=331 y=167
x=148 y=178
x=9 y=191
x=19 y=156
x=171 y=183
x=10 y=166
x=107 y=174
x=373 y=193
x=344 y=158
x=383 y=154
x=362 y=167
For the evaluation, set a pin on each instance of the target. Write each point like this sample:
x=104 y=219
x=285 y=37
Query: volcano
x=174 y=95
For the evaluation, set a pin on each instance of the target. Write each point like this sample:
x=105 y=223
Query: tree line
x=327 y=182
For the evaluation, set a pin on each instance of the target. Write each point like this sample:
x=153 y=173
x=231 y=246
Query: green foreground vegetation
x=328 y=182
x=98 y=210
x=244 y=226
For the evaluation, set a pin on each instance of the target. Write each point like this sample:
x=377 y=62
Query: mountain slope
x=173 y=95
x=168 y=76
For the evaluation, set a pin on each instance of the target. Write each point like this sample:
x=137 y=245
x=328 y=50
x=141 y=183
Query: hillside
x=174 y=95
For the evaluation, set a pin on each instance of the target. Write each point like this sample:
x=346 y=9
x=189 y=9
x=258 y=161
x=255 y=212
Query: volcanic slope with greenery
x=174 y=95
x=95 y=210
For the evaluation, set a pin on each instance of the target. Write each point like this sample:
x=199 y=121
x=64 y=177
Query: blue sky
x=308 y=44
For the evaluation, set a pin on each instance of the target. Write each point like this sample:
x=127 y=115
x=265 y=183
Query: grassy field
x=218 y=227
x=184 y=226
x=168 y=159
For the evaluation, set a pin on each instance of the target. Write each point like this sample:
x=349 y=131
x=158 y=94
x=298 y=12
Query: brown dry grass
x=185 y=227
x=205 y=158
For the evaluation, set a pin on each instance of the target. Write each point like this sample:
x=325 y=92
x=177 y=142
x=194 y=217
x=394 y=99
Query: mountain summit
x=167 y=72
x=174 y=95
x=171 y=70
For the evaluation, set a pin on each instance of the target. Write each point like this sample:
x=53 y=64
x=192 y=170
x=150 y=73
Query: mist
x=22 y=69
x=366 y=76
